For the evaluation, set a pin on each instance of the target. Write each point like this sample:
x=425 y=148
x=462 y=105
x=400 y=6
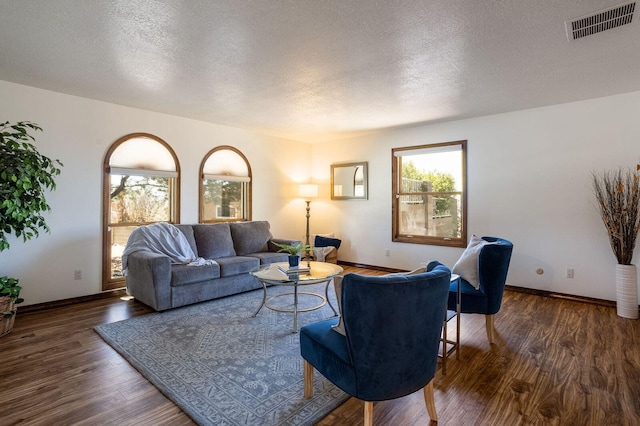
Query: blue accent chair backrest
x=493 y=266
x=393 y=326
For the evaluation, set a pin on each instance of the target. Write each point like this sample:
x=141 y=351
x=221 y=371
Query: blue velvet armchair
x=493 y=265
x=392 y=328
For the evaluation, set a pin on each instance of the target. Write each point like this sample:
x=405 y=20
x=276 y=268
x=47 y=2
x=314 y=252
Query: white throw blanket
x=322 y=252
x=162 y=238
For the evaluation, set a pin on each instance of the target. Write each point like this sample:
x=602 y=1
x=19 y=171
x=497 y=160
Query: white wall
x=528 y=181
x=79 y=131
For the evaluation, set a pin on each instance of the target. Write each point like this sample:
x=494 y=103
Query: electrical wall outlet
x=77 y=274
x=569 y=273
x=387 y=252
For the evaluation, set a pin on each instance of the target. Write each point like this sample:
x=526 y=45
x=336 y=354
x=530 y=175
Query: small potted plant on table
x=294 y=251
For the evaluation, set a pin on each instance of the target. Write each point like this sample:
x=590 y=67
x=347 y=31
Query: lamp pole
x=306 y=241
x=307 y=192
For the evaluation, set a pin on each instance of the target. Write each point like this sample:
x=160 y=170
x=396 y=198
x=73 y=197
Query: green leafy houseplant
x=9 y=288
x=293 y=251
x=9 y=297
x=25 y=175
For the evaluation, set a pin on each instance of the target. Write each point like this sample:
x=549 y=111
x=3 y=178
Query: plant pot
x=294 y=260
x=6 y=323
x=627 y=291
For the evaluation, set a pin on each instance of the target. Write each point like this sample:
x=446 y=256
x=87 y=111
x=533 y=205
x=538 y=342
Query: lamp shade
x=308 y=191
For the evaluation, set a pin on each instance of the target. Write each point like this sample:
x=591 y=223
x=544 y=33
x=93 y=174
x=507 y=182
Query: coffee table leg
x=295 y=308
x=326 y=293
x=264 y=298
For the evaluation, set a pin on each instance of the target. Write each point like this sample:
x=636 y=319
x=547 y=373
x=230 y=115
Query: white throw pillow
x=337 y=286
x=321 y=253
x=467 y=265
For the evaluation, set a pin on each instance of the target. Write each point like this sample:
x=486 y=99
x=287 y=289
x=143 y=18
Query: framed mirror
x=349 y=181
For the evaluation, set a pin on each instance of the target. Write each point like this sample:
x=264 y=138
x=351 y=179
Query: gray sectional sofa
x=237 y=249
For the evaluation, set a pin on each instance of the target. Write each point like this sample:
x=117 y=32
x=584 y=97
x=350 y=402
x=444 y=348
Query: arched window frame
x=109 y=282
x=246 y=188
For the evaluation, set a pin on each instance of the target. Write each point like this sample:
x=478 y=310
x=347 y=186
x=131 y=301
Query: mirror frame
x=355 y=165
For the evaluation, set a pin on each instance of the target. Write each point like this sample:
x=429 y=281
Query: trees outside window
x=138 y=199
x=141 y=181
x=429 y=194
x=223 y=200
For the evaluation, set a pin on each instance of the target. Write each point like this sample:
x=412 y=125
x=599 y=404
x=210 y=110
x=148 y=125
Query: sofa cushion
x=237 y=265
x=187 y=230
x=250 y=237
x=214 y=240
x=270 y=257
x=185 y=274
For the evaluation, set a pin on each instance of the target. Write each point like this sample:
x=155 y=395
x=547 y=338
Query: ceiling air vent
x=600 y=21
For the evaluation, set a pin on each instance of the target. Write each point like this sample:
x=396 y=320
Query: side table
x=448 y=346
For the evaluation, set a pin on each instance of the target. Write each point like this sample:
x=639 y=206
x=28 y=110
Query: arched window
x=140 y=186
x=358 y=182
x=225 y=186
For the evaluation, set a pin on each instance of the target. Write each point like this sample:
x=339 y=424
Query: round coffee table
x=318 y=272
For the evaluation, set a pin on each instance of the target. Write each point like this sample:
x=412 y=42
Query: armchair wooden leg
x=490 y=329
x=430 y=401
x=368 y=413
x=308 y=379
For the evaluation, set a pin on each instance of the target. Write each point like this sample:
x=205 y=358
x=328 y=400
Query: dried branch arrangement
x=618 y=196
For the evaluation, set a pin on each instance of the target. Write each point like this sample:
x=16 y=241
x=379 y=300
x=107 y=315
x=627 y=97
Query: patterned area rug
x=224 y=367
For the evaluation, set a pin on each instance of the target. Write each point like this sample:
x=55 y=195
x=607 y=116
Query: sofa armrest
x=274 y=248
x=149 y=279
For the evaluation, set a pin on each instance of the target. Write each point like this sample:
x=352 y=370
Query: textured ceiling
x=315 y=70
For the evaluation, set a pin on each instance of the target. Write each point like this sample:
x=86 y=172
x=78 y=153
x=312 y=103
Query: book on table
x=294 y=269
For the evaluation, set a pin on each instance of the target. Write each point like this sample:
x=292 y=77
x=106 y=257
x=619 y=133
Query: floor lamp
x=307 y=192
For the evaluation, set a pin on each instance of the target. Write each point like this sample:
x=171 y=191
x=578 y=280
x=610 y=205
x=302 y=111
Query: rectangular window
x=224 y=200
x=139 y=199
x=135 y=201
x=429 y=188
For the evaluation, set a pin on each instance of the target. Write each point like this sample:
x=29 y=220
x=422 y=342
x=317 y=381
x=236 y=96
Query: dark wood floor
x=557 y=362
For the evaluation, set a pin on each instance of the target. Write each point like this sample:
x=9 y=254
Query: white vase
x=627 y=291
